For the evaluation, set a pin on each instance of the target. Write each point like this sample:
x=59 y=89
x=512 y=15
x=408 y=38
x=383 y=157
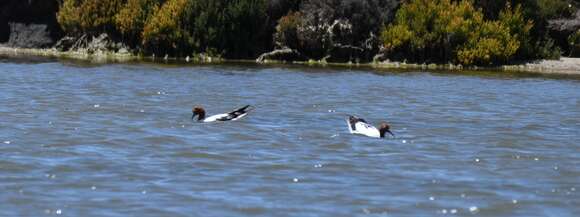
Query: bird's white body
x=221 y=117
x=362 y=128
x=230 y=116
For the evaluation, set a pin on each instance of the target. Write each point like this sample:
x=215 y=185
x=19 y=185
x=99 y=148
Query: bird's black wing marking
x=353 y=120
x=236 y=113
x=241 y=110
x=226 y=118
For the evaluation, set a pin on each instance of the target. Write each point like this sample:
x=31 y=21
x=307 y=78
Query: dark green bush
x=550 y=9
x=532 y=9
x=280 y=8
x=574 y=42
x=232 y=28
x=287 y=30
x=325 y=24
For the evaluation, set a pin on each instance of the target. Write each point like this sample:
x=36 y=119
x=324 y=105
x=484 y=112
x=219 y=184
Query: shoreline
x=563 y=66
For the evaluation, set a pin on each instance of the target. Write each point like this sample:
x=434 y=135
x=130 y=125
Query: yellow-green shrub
x=99 y=15
x=497 y=41
x=491 y=43
x=395 y=36
x=131 y=19
x=519 y=27
x=167 y=31
x=68 y=16
x=444 y=30
x=414 y=20
x=431 y=28
x=88 y=16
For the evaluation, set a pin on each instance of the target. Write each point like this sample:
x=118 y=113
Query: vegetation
x=131 y=19
x=287 y=30
x=229 y=28
x=540 y=44
x=90 y=16
x=533 y=9
x=68 y=16
x=574 y=41
x=469 y=32
x=447 y=31
x=167 y=30
x=320 y=26
x=555 y=8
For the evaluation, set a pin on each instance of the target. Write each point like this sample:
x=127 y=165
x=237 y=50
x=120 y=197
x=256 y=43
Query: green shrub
x=233 y=28
x=168 y=30
x=574 y=42
x=546 y=49
x=519 y=27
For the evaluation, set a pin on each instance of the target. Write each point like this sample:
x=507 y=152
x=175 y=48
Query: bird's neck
x=201 y=116
x=382 y=133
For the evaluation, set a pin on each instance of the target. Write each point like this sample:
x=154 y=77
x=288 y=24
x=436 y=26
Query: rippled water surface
x=117 y=140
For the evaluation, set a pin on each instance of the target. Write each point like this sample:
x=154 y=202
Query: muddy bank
x=79 y=55
x=561 y=66
x=569 y=66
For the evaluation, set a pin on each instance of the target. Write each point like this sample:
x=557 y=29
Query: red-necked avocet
x=230 y=116
x=360 y=126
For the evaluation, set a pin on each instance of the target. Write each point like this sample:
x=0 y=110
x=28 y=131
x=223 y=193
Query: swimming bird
x=360 y=126
x=231 y=116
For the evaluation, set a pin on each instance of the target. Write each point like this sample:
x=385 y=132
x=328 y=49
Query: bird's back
x=360 y=126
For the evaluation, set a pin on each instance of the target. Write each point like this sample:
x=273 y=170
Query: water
x=117 y=140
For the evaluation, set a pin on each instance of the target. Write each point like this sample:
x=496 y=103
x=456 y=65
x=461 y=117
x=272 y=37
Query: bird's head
x=198 y=110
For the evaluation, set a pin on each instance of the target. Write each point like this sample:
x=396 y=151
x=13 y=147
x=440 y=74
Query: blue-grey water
x=117 y=140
